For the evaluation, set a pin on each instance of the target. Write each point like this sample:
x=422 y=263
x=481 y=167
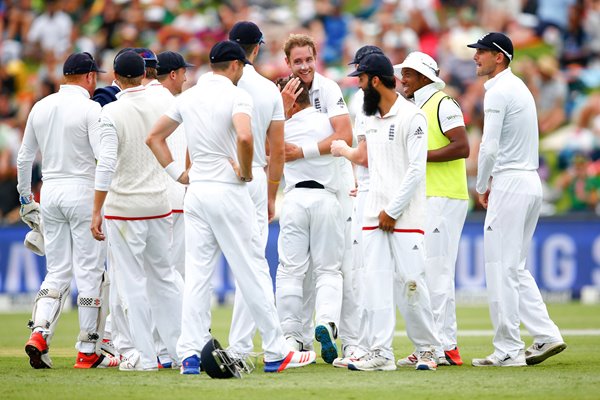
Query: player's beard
x=371 y=100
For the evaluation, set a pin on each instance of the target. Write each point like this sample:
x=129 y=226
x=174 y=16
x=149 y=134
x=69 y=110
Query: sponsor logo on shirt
x=370 y=131
x=451 y=117
x=492 y=110
x=341 y=103
x=318 y=104
x=392 y=132
x=419 y=132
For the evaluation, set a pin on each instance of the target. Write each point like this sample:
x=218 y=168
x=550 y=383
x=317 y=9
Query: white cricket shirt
x=510 y=129
x=268 y=106
x=62 y=126
x=397 y=150
x=309 y=125
x=206 y=111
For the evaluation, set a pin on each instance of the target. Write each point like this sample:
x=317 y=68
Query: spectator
x=580 y=185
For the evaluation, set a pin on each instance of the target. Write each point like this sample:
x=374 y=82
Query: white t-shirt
x=510 y=129
x=206 y=111
x=177 y=145
x=309 y=125
x=268 y=106
x=62 y=127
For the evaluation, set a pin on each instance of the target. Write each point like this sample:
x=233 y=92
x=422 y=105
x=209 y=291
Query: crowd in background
x=557 y=53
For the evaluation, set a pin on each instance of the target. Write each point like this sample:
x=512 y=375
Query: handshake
x=30 y=214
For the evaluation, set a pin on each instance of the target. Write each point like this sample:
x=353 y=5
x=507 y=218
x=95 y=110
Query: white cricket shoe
x=408 y=361
x=426 y=361
x=493 y=361
x=539 y=352
x=373 y=362
x=350 y=353
x=132 y=363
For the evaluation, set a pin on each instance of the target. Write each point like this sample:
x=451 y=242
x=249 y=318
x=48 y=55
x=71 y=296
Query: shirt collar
x=422 y=95
x=75 y=89
x=395 y=107
x=490 y=83
x=153 y=82
x=316 y=83
x=130 y=90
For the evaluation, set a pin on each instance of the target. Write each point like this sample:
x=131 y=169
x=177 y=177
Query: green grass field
x=574 y=374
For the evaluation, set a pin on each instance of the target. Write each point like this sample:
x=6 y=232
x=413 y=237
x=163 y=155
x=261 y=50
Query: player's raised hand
x=290 y=93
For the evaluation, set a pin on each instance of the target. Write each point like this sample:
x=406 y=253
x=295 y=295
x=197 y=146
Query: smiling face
x=412 y=81
x=302 y=63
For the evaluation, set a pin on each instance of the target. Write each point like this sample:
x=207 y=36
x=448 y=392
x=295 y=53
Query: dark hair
x=387 y=81
x=303 y=98
x=248 y=48
x=221 y=66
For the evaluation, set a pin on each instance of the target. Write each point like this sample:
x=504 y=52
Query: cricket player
x=62 y=127
x=326 y=97
x=510 y=189
x=219 y=213
x=447 y=194
x=130 y=184
x=267 y=126
x=310 y=212
x=393 y=219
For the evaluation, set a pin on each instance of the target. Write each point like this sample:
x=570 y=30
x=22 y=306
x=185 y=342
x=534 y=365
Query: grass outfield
x=574 y=374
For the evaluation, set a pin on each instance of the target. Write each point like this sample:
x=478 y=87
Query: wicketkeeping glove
x=30 y=212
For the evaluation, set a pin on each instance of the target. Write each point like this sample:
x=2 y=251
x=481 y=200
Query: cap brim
x=479 y=46
x=188 y=65
x=355 y=73
x=353 y=62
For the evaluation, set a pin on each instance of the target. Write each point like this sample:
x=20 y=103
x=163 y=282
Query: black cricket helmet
x=222 y=364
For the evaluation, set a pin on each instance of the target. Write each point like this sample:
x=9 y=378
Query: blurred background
x=557 y=54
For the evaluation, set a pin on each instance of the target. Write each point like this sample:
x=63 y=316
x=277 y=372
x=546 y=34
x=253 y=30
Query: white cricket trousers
x=71 y=250
x=358 y=263
x=311 y=233
x=148 y=285
x=394 y=274
x=513 y=211
x=443 y=227
x=178 y=245
x=221 y=215
x=243 y=326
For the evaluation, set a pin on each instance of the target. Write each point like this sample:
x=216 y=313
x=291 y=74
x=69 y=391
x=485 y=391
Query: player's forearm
x=245 y=150
x=342 y=130
x=99 y=199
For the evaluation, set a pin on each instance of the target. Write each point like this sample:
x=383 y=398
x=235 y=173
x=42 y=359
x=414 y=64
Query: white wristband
x=311 y=150
x=174 y=171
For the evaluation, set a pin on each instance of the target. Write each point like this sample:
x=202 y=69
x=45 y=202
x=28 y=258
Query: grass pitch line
x=489 y=332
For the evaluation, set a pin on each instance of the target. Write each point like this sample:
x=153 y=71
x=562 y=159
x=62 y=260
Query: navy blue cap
x=170 y=61
x=246 y=32
x=80 y=63
x=495 y=41
x=374 y=64
x=148 y=55
x=129 y=64
x=363 y=51
x=227 y=50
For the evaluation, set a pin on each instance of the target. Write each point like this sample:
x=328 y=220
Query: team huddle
x=167 y=180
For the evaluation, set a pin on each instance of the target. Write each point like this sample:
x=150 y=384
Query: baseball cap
x=80 y=63
x=246 y=32
x=423 y=64
x=129 y=64
x=227 y=50
x=374 y=64
x=170 y=61
x=148 y=56
x=495 y=41
x=363 y=51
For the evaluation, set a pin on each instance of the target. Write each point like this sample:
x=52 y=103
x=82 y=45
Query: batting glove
x=30 y=211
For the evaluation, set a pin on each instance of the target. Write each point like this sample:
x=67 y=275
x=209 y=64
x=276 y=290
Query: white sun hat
x=423 y=64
